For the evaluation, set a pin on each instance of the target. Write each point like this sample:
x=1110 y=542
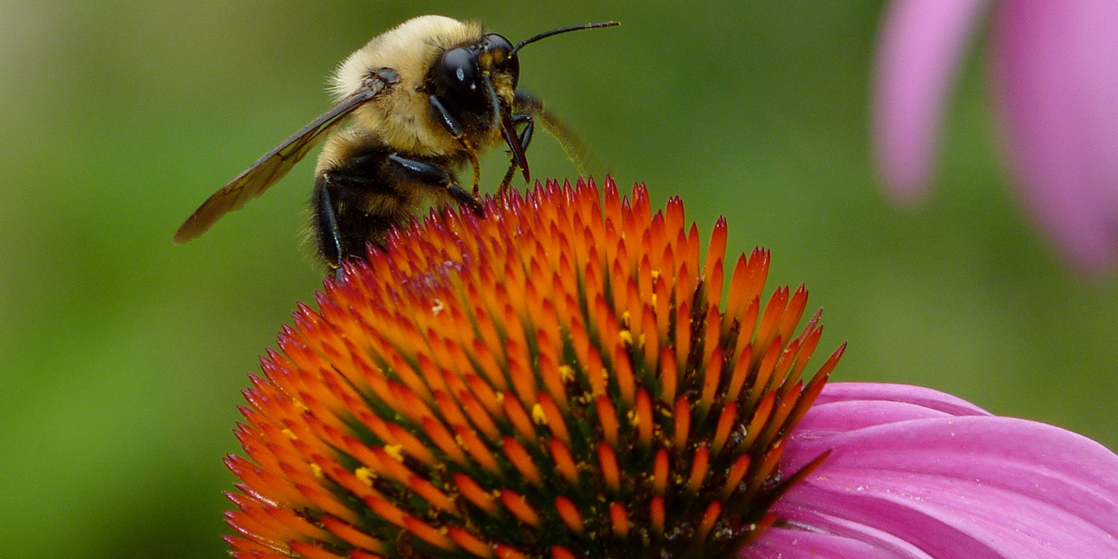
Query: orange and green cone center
x=557 y=379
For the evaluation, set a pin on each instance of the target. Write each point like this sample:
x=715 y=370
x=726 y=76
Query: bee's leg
x=525 y=138
x=437 y=177
x=451 y=124
x=328 y=235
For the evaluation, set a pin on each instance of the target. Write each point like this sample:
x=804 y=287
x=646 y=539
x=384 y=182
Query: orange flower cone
x=557 y=379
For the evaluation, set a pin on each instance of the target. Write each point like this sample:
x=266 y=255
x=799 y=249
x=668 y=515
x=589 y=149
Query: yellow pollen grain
x=365 y=475
x=316 y=470
x=655 y=274
x=299 y=404
x=290 y=434
x=567 y=373
x=626 y=337
x=633 y=418
x=500 y=397
x=538 y=416
x=653 y=299
x=625 y=317
x=395 y=451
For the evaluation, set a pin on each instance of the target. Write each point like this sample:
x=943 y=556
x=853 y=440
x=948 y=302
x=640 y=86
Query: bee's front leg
x=436 y=177
x=524 y=138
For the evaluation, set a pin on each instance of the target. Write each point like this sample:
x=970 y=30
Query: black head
x=472 y=87
x=466 y=73
x=465 y=76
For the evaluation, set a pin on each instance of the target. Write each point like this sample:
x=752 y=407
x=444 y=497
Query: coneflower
x=561 y=379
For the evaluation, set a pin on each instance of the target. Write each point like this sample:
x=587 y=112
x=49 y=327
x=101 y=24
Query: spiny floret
x=556 y=379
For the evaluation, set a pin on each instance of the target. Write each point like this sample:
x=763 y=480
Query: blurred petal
x=929 y=475
x=1056 y=79
x=919 y=47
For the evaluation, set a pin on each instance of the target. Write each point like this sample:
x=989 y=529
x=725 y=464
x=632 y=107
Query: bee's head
x=474 y=75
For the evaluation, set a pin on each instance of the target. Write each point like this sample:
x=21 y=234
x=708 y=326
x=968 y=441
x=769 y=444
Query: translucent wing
x=574 y=147
x=276 y=163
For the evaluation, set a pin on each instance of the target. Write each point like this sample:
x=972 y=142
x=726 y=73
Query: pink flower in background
x=1054 y=78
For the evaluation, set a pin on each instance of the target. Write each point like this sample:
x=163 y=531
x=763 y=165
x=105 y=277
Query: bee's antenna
x=547 y=34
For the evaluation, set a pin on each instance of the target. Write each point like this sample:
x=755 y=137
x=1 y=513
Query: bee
x=422 y=100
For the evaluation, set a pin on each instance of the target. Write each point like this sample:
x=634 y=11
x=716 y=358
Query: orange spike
x=595 y=372
x=443 y=440
x=412 y=445
x=521 y=460
x=448 y=408
x=386 y=510
x=428 y=533
x=554 y=418
x=564 y=462
x=568 y=513
x=793 y=313
x=477 y=412
x=432 y=494
x=765 y=379
x=649 y=338
x=760 y=417
x=505 y=552
x=553 y=378
x=660 y=472
x=709 y=518
x=518 y=417
x=469 y=542
x=619 y=519
x=810 y=339
x=771 y=319
x=682 y=422
x=390 y=464
x=309 y=551
x=712 y=376
x=699 y=467
x=783 y=410
x=683 y=325
x=517 y=504
x=668 y=377
x=475 y=494
x=740 y=372
x=607 y=461
x=487 y=364
x=623 y=372
x=656 y=514
x=560 y=552
x=607 y=418
x=737 y=471
x=662 y=293
x=523 y=379
x=644 y=419
x=726 y=421
x=769 y=461
x=477 y=449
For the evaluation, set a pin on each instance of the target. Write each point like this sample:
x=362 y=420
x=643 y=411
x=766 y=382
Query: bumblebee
x=422 y=100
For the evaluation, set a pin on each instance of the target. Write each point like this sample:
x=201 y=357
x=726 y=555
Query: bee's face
x=471 y=77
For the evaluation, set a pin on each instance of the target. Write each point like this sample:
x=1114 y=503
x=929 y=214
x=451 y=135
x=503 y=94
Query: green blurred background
x=122 y=356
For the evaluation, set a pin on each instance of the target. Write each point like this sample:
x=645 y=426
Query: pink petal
x=919 y=47
x=1056 y=79
x=933 y=476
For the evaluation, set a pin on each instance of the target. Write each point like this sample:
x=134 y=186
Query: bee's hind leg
x=437 y=177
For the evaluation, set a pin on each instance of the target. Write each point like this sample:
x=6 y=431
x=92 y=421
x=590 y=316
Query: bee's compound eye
x=462 y=77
